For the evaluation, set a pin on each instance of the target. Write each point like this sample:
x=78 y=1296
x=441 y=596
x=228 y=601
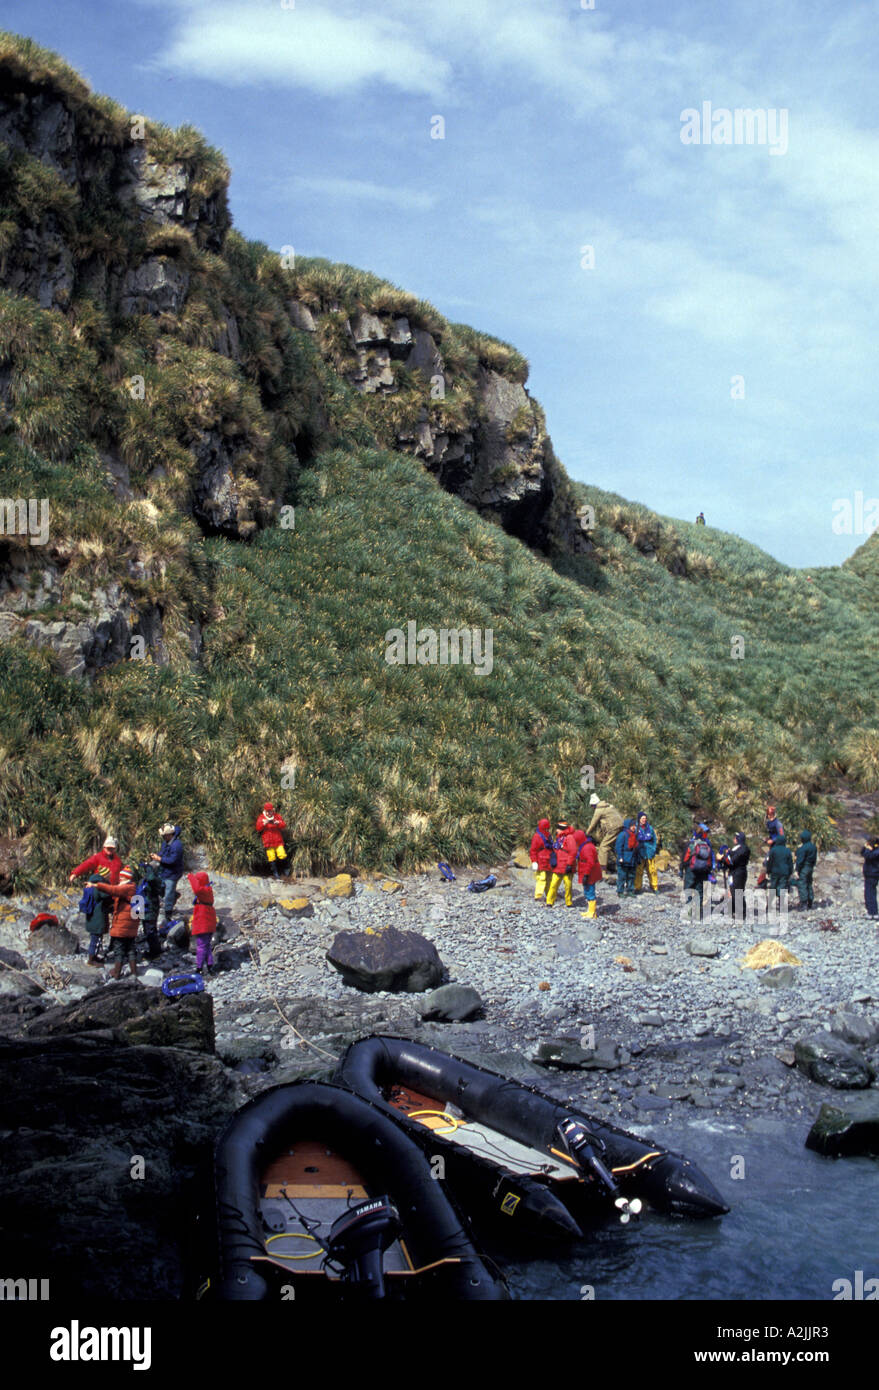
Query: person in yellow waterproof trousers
x=541 y=847
x=647 y=854
x=270 y=828
x=564 y=847
x=588 y=870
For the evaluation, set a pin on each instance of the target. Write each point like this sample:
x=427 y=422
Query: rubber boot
x=592 y=908
x=275 y=871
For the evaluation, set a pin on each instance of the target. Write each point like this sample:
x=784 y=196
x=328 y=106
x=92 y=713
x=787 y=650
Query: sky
x=696 y=297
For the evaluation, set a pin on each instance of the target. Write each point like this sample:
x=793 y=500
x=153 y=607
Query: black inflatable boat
x=321 y=1195
x=513 y=1155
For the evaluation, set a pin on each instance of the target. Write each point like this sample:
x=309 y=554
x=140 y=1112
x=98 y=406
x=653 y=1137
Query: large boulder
x=388 y=959
x=136 y=1014
x=452 y=1004
x=855 y=1028
x=832 y=1062
x=847 y=1127
x=57 y=940
x=96 y=1185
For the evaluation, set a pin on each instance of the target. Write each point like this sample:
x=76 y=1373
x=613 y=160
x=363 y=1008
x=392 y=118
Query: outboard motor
x=579 y=1144
x=359 y=1239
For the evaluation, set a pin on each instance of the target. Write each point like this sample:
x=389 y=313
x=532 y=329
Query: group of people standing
x=121 y=899
x=556 y=858
x=634 y=843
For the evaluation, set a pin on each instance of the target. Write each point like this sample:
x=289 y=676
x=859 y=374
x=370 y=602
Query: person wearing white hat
x=106 y=858
x=170 y=862
x=605 y=825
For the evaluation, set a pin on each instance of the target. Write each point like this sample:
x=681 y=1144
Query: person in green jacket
x=779 y=867
x=807 y=858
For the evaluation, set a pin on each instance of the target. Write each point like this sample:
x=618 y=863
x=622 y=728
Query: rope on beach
x=308 y=1043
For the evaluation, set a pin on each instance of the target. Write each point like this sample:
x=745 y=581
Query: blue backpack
x=482 y=884
x=88 y=901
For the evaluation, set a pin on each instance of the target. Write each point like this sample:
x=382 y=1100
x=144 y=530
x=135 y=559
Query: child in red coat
x=565 y=847
x=270 y=827
x=541 y=844
x=204 y=920
x=588 y=870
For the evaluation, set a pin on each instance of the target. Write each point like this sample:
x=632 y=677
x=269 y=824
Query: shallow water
x=798 y=1222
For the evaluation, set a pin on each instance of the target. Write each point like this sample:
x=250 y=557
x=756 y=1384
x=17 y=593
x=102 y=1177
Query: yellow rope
x=440 y=1115
x=291 y=1235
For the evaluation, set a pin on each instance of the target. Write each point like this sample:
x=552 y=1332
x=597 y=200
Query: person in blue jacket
x=626 y=851
x=647 y=843
x=170 y=862
x=870 y=853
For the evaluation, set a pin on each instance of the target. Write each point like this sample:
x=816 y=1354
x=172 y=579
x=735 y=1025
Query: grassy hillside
x=624 y=659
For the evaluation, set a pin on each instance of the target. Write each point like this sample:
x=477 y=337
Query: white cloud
x=359 y=190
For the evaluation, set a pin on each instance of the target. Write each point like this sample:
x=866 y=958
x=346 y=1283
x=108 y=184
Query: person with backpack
x=145 y=905
x=870 y=853
x=204 y=921
x=588 y=869
x=779 y=867
x=700 y=519
x=123 y=929
x=106 y=858
x=170 y=863
x=561 y=860
x=96 y=908
x=774 y=827
x=807 y=858
x=605 y=825
x=626 y=851
x=698 y=863
x=270 y=827
x=736 y=861
x=541 y=847
x=647 y=845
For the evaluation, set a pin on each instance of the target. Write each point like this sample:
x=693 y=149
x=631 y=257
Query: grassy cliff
x=175 y=391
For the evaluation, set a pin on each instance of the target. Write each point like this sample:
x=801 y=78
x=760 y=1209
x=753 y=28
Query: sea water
x=799 y=1224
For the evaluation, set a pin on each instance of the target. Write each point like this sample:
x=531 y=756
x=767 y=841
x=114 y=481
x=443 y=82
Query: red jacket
x=124 y=922
x=101 y=860
x=588 y=867
x=270 y=827
x=204 y=918
x=564 y=855
x=540 y=846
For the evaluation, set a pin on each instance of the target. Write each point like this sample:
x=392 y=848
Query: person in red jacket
x=564 y=847
x=204 y=920
x=541 y=844
x=124 y=926
x=270 y=827
x=588 y=869
x=106 y=858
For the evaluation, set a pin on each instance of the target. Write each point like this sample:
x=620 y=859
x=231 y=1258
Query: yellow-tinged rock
x=390 y=885
x=522 y=858
x=342 y=886
x=769 y=952
x=369 y=887
x=58 y=904
x=293 y=904
x=662 y=860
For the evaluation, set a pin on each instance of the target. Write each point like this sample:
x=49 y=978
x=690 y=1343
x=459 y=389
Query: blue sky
x=563 y=130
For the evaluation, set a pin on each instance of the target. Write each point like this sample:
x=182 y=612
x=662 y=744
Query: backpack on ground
x=482 y=885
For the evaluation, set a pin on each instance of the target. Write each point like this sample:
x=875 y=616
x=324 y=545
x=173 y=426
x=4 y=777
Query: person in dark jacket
x=736 y=860
x=96 y=908
x=807 y=858
x=647 y=842
x=870 y=853
x=698 y=863
x=541 y=847
x=146 y=906
x=779 y=867
x=774 y=827
x=170 y=862
x=626 y=852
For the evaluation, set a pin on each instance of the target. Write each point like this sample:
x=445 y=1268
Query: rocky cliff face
x=180 y=375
